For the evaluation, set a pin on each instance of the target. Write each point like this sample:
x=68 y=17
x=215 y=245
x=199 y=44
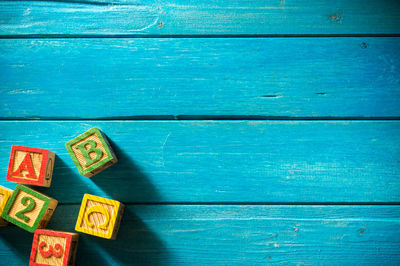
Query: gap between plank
x=259 y=203
x=154 y=36
x=202 y=117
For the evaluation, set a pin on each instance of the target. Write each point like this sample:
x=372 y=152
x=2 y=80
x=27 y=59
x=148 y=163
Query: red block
x=50 y=248
x=31 y=166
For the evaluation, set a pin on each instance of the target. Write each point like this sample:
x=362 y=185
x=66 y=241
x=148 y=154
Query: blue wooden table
x=247 y=132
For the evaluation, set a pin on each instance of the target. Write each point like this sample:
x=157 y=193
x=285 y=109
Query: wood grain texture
x=231 y=235
x=91 y=152
x=53 y=248
x=29 y=209
x=213 y=192
x=100 y=217
x=227 y=161
x=291 y=77
x=5 y=194
x=177 y=17
x=32 y=166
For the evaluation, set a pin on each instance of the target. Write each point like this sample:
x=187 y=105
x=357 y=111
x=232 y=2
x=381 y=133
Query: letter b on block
x=86 y=151
x=91 y=152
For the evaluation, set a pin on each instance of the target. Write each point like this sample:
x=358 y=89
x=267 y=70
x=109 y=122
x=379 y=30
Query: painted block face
x=91 y=152
x=51 y=248
x=29 y=209
x=99 y=216
x=31 y=166
x=5 y=195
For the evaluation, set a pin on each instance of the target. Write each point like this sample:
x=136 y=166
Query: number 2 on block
x=30 y=207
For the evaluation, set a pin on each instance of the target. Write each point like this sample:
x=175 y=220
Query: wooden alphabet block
x=5 y=194
x=99 y=216
x=29 y=209
x=53 y=248
x=91 y=152
x=31 y=166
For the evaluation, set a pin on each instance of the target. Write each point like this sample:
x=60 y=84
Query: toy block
x=29 y=209
x=99 y=216
x=31 y=166
x=5 y=194
x=53 y=248
x=91 y=152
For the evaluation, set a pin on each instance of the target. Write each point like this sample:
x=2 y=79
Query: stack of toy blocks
x=31 y=210
x=26 y=207
x=92 y=153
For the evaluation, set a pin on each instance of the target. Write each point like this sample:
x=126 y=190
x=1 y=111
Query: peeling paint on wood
x=231 y=235
x=183 y=17
x=200 y=77
x=225 y=161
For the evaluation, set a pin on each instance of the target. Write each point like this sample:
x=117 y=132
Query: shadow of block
x=136 y=244
x=127 y=179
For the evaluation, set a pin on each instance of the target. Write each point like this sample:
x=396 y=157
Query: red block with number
x=31 y=166
x=50 y=248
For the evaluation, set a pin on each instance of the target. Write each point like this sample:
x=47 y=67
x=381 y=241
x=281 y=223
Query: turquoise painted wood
x=231 y=235
x=177 y=17
x=224 y=161
x=174 y=78
x=325 y=191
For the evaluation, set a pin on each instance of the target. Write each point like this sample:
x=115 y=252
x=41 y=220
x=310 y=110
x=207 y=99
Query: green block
x=91 y=152
x=34 y=210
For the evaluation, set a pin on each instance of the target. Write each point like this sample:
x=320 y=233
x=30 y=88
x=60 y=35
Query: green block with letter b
x=91 y=152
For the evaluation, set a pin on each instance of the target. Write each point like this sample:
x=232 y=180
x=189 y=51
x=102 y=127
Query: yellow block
x=5 y=194
x=99 y=216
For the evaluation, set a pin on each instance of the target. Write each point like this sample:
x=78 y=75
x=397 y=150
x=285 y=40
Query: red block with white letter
x=31 y=166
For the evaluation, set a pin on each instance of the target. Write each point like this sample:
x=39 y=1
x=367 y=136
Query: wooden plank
x=144 y=17
x=231 y=235
x=289 y=77
x=224 y=161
